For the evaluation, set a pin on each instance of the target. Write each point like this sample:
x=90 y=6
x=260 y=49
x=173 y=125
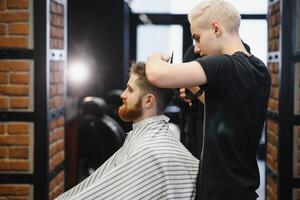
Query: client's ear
x=149 y=100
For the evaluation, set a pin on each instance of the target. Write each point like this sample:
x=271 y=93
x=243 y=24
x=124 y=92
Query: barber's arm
x=184 y=75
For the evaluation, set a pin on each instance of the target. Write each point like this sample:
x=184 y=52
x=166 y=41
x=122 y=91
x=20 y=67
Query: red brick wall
x=57 y=96
x=16 y=143
x=271 y=189
x=15 y=30
x=57 y=26
x=272 y=145
x=16 y=156
x=15 y=192
x=273 y=27
x=56 y=141
x=273 y=46
x=57 y=88
x=16 y=95
x=274 y=95
x=272 y=148
x=56 y=186
x=16 y=85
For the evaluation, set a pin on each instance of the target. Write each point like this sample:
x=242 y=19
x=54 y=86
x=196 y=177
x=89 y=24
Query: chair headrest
x=93 y=106
x=113 y=98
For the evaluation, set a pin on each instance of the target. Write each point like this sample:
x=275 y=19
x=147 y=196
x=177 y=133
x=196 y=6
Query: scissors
x=171 y=58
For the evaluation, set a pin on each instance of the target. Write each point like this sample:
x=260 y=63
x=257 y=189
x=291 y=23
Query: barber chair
x=100 y=136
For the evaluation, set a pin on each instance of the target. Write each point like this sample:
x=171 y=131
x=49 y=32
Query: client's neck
x=147 y=114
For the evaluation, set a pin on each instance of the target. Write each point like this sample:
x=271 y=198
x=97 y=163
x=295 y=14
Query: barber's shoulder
x=215 y=60
x=214 y=57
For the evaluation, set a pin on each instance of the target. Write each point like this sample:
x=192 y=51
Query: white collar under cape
x=150 y=120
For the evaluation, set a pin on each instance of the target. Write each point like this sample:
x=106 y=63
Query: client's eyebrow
x=129 y=86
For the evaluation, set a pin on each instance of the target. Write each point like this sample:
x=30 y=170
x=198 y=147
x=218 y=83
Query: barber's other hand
x=183 y=96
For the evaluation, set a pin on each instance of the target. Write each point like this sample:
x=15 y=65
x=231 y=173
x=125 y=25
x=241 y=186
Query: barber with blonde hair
x=236 y=86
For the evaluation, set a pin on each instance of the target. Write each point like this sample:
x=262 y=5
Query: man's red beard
x=130 y=114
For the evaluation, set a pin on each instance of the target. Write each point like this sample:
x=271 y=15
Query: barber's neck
x=232 y=43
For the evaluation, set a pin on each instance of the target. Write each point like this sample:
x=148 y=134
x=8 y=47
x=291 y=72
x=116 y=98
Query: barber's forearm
x=156 y=70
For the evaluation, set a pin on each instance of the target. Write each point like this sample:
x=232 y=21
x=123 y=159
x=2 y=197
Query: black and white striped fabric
x=151 y=164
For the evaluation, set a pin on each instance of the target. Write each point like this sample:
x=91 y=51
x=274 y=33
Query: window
x=159 y=38
x=254 y=33
x=178 y=7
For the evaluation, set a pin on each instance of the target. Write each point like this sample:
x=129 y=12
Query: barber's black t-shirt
x=236 y=98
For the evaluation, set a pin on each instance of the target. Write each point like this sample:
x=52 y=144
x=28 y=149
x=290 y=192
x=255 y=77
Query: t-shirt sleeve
x=215 y=68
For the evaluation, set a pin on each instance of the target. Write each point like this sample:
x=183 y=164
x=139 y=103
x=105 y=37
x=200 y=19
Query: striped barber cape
x=151 y=164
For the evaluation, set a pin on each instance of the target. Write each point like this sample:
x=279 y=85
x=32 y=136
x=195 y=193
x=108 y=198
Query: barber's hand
x=183 y=96
x=187 y=94
x=160 y=56
x=158 y=70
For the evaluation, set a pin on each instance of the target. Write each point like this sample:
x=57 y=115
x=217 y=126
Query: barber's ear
x=149 y=100
x=216 y=28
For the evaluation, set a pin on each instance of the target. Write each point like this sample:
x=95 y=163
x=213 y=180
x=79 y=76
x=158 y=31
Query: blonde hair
x=218 y=10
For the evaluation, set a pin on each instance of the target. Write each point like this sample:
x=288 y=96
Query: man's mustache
x=124 y=102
